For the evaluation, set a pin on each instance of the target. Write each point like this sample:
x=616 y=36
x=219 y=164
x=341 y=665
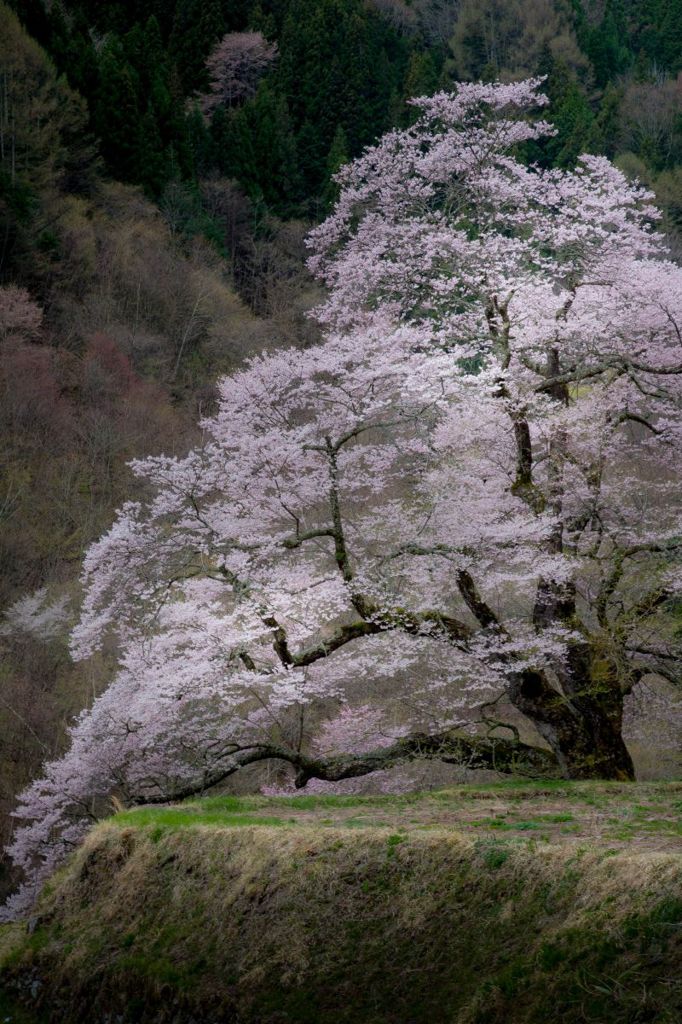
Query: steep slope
x=230 y=914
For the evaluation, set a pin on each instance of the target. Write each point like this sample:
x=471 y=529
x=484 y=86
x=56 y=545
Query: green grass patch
x=191 y=817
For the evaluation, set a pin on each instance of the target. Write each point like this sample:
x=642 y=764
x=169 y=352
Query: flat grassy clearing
x=636 y=816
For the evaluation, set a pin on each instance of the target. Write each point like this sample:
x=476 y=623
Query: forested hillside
x=160 y=165
x=341 y=71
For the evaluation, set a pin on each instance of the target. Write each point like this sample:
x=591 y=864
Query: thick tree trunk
x=583 y=721
x=598 y=750
x=583 y=725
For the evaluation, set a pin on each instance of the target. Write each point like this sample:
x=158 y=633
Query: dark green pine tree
x=656 y=35
x=310 y=145
x=72 y=49
x=223 y=138
x=197 y=26
x=336 y=158
x=144 y=50
x=153 y=167
x=181 y=151
x=255 y=144
x=310 y=75
x=371 y=77
x=200 y=141
x=262 y=22
x=358 y=57
x=239 y=15
x=164 y=13
x=421 y=79
x=607 y=122
x=474 y=46
x=606 y=44
x=574 y=122
x=268 y=12
x=340 y=64
x=569 y=112
x=116 y=114
x=671 y=36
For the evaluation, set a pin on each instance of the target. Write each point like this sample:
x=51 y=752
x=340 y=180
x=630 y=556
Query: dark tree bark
x=582 y=725
x=496 y=753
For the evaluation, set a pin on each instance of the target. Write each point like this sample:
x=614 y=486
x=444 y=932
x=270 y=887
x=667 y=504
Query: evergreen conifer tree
x=196 y=27
x=338 y=156
x=116 y=115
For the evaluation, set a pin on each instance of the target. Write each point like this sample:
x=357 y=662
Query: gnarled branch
x=452 y=747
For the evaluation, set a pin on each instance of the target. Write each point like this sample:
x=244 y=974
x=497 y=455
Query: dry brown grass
x=264 y=924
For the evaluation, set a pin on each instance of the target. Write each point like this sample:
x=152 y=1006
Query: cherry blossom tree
x=467 y=496
x=20 y=317
x=235 y=67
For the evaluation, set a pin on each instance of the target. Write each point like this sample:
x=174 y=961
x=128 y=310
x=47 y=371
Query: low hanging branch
x=451 y=747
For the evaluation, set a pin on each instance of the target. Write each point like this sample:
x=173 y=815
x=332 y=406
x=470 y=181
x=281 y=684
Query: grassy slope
x=508 y=904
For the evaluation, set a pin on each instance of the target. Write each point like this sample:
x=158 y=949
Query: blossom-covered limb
x=494 y=753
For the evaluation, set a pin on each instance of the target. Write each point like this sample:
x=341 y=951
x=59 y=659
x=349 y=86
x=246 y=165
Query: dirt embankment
x=259 y=924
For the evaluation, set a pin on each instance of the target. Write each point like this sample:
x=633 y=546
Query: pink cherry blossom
x=464 y=501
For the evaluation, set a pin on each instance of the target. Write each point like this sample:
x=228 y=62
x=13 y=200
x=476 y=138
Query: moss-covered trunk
x=591 y=746
x=583 y=721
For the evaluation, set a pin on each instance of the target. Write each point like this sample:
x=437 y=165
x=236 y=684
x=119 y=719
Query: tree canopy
x=465 y=497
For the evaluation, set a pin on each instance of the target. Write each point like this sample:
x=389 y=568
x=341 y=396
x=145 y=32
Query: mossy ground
x=466 y=906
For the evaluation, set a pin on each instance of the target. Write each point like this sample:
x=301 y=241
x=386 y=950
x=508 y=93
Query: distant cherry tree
x=235 y=67
x=466 y=498
x=20 y=317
